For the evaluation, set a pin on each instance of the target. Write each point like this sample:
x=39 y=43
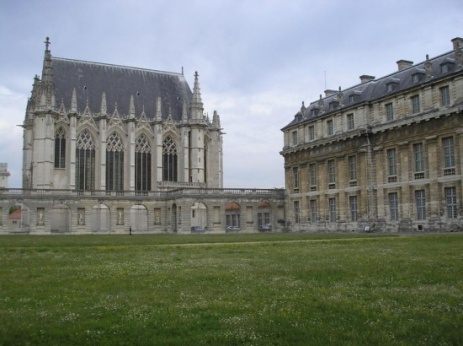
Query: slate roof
x=377 y=88
x=119 y=82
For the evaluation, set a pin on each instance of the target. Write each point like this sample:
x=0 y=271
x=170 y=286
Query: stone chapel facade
x=94 y=126
x=115 y=149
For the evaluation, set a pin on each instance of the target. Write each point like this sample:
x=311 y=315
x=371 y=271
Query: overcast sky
x=257 y=60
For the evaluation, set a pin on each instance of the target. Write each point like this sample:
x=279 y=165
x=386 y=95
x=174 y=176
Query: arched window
x=169 y=160
x=142 y=164
x=85 y=161
x=60 y=148
x=114 y=163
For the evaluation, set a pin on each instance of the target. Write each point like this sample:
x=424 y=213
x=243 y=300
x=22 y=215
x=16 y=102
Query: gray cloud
x=257 y=60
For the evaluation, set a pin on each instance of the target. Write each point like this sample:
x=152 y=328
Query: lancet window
x=60 y=148
x=142 y=164
x=169 y=160
x=85 y=161
x=114 y=163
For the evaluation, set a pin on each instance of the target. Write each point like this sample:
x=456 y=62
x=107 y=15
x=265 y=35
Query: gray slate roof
x=377 y=88
x=119 y=82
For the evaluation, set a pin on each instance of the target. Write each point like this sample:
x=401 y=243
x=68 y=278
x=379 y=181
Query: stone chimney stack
x=366 y=78
x=329 y=92
x=457 y=43
x=403 y=64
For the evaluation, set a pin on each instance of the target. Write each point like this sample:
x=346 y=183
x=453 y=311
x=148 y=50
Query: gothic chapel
x=93 y=126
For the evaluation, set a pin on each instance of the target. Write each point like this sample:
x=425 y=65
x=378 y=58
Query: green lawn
x=261 y=289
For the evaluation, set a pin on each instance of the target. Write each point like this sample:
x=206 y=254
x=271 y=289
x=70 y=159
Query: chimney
x=457 y=43
x=329 y=92
x=366 y=78
x=403 y=64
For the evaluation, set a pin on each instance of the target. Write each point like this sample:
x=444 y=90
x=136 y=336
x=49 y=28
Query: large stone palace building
x=385 y=154
x=114 y=149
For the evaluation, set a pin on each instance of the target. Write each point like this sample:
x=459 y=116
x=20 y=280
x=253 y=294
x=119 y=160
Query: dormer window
x=314 y=112
x=391 y=86
x=418 y=77
x=447 y=67
x=333 y=105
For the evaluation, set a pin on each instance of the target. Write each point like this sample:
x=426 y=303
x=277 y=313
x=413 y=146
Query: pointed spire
x=47 y=72
x=196 y=103
x=158 y=108
x=216 y=119
x=103 y=108
x=184 y=111
x=74 y=101
x=131 y=108
x=196 y=92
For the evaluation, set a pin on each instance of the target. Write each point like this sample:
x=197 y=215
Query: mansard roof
x=119 y=83
x=371 y=89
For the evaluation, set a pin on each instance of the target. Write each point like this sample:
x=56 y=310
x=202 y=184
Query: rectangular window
x=296 y=178
x=313 y=176
x=313 y=210
x=389 y=111
x=350 y=121
x=449 y=152
x=329 y=127
x=451 y=200
x=332 y=209
x=353 y=208
x=311 y=133
x=394 y=206
x=352 y=168
x=444 y=96
x=296 y=212
x=263 y=219
x=294 y=137
x=331 y=174
x=419 y=157
x=420 y=201
x=392 y=162
x=415 y=104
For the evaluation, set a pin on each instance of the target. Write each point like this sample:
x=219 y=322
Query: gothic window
x=85 y=161
x=169 y=160
x=142 y=164
x=60 y=148
x=114 y=163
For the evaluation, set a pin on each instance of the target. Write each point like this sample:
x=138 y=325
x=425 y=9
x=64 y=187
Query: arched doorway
x=232 y=215
x=139 y=218
x=198 y=217
x=101 y=218
x=59 y=218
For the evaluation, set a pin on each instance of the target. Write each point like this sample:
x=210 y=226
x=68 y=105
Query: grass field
x=262 y=289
